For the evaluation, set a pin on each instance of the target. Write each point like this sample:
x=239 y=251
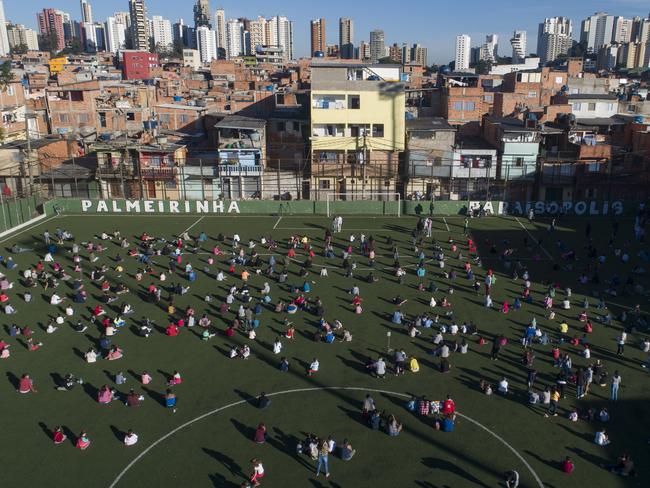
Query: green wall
x=302 y=207
x=14 y=212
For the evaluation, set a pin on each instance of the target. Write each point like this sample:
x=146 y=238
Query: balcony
x=240 y=170
x=115 y=169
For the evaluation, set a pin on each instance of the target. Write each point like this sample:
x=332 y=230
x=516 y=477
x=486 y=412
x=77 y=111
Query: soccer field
x=208 y=439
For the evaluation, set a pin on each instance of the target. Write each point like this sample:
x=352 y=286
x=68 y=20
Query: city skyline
x=437 y=31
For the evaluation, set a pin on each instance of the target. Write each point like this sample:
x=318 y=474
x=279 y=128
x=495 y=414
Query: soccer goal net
x=369 y=203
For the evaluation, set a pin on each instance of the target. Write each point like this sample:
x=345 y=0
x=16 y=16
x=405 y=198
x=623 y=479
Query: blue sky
x=433 y=23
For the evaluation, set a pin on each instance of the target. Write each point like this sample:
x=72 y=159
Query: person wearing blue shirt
x=447 y=424
x=397 y=317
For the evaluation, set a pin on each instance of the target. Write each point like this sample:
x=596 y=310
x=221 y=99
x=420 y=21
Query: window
x=470 y=106
x=130 y=116
x=295 y=126
x=170 y=184
x=281 y=127
x=577 y=106
x=76 y=96
x=519 y=162
x=532 y=94
x=354 y=102
x=102 y=119
x=610 y=107
x=10 y=90
x=63 y=118
x=487 y=98
x=183 y=118
x=164 y=118
x=558 y=80
x=591 y=107
x=324 y=184
x=83 y=118
x=378 y=130
x=458 y=106
x=631 y=109
x=279 y=98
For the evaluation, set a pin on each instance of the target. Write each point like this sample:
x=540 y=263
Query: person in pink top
x=105 y=395
x=83 y=442
x=26 y=384
x=145 y=378
x=114 y=354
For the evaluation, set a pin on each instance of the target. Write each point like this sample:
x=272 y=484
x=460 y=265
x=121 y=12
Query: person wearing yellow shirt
x=555 y=399
x=414 y=365
x=564 y=327
x=244 y=275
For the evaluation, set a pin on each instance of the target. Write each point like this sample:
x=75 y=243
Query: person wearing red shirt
x=172 y=330
x=98 y=310
x=230 y=331
x=567 y=465
x=58 y=436
x=448 y=406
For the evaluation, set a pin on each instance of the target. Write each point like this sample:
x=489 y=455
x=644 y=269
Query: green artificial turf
x=216 y=450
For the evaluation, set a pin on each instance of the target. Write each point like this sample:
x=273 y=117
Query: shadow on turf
x=441 y=465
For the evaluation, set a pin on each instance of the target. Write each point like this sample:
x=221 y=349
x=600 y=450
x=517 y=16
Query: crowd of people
x=163 y=269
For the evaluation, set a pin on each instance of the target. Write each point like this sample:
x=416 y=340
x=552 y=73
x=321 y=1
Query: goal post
x=384 y=203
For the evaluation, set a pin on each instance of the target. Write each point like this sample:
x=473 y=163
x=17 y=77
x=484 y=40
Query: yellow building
x=57 y=64
x=357 y=128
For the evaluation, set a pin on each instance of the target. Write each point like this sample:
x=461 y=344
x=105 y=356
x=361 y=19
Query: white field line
x=444 y=219
x=533 y=238
x=538 y=480
x=277 y=222
x=192 y=226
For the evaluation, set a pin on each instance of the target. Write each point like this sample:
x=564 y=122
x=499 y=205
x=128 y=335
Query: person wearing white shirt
x=131 y=438
x=602 y=439
x=56 y=300
x=313 y=367
x=453 y=329
x=277 y=347
x=503 y=386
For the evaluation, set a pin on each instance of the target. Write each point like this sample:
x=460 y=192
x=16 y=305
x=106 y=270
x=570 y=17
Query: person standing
x=616 y=383
x=555 y=399
x=620 y=343
x=323 y=451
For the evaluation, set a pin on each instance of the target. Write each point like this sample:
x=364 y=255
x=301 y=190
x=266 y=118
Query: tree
x=6 y=76
x=483 y=67
x=19 y=49
x=49 y=42
x=177 y=49
x=75 y=47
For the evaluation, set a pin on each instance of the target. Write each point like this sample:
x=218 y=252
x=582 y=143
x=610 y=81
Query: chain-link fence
x=209 y=178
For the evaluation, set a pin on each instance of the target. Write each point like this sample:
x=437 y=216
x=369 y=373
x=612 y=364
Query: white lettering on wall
x=202 y=207
x=133 y=205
